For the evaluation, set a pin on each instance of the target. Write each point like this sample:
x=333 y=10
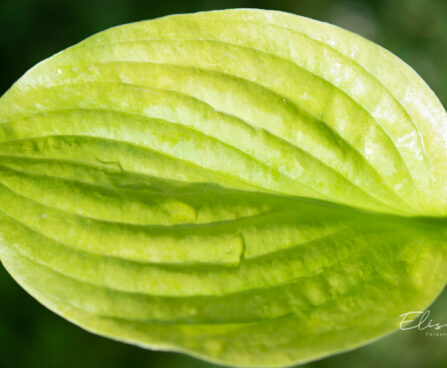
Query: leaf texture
x=251 y=187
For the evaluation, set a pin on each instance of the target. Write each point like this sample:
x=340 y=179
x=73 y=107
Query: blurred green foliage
x=31 y=30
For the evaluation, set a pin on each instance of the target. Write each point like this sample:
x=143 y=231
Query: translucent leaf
x=250 y=187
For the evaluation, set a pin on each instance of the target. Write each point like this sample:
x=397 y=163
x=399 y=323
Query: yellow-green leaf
x=250 y=187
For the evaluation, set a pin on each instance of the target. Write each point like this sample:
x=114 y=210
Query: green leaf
x=250 y=187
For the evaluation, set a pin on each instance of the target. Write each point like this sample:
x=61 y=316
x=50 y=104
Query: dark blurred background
x=31 y=30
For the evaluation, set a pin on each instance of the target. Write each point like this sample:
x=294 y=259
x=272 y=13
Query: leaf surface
x=251 y=187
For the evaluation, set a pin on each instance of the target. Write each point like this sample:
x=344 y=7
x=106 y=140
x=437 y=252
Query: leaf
x=250 y=187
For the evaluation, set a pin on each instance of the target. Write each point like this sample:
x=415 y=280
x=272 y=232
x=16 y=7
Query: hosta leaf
x=251 y=187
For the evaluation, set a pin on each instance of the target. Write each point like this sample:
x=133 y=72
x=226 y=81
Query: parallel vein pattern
x=245 y=186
